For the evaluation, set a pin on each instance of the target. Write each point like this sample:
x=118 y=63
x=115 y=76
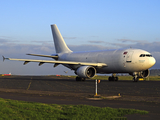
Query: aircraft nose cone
x=152 y=61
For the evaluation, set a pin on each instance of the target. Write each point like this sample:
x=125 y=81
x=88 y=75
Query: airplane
x=136 y=62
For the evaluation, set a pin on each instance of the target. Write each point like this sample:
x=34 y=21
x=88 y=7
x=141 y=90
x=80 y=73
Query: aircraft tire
x=80 y=79
x=116 y=79
x=113 y=79
x=135 y=79
x=110 y=79
x=83 y=79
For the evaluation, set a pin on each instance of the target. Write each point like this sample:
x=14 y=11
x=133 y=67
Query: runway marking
x=29 y=85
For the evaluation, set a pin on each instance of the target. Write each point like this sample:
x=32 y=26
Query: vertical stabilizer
x=59 y=42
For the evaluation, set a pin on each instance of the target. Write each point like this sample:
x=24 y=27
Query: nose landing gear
x=135 y=79
x=136 y=76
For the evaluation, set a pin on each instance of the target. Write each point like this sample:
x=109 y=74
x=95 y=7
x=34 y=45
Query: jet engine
x=142 y=74
x=86 y=71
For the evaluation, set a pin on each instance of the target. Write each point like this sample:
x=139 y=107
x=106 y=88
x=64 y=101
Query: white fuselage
x=118 y=61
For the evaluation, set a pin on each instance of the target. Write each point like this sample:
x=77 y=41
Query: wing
x=57 y=62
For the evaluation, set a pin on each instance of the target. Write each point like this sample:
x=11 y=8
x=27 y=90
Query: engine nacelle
x=86 y=71
x=142 y=74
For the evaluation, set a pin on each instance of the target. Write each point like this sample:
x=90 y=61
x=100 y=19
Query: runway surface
x=143 y=95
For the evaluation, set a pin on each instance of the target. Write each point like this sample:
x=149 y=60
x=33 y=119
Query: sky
x=85 y=25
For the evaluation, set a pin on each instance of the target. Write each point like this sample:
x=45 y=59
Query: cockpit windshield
x=145 y=55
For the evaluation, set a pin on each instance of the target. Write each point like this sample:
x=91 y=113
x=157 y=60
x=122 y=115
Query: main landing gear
x=80 y=79
x=113 y=78
x=135 y=79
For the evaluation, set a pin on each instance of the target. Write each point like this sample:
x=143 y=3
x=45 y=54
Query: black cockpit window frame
x=145 y=55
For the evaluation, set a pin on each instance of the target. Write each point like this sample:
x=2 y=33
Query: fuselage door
x=129 y=57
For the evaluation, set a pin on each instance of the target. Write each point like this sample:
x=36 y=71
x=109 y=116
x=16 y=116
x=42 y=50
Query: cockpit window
x=142 y=55
x=148 y=55
x=145 y=55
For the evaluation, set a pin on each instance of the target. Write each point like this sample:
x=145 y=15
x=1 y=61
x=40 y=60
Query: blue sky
x=92 y=24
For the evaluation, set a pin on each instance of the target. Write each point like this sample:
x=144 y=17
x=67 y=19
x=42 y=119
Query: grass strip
x=20 y=110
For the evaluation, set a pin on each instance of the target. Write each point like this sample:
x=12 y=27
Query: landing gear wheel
x=113 y=78
x=116 y=79
x=83 y=79
x=80 y=79
x=110 y=79
x=135 y=79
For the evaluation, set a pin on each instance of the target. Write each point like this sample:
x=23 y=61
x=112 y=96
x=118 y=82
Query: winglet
x=5 y=58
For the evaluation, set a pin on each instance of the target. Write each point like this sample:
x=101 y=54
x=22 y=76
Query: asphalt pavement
x=143 y=95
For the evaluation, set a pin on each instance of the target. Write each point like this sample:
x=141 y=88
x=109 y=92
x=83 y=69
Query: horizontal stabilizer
x=4 y=58
x=50 y=56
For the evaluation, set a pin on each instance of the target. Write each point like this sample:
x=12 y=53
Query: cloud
x=18 y=50
x=157 y=38
x=2 y=41
x=47 y=47
x=69 y=37
x=96 y=41
x=129 y=40
x=119 y=45
x=6 y=41
x=42 y=41
x=111 y=45
x=152 y=47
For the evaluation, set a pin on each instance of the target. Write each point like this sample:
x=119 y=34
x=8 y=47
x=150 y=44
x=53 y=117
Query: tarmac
x=142 y=95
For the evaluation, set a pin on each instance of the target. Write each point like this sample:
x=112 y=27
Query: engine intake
x=144 y=74
x=86 y=71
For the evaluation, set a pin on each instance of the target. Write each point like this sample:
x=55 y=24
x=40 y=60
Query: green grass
x=19 y=110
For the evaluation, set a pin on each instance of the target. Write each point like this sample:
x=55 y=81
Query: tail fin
x=59 y=42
